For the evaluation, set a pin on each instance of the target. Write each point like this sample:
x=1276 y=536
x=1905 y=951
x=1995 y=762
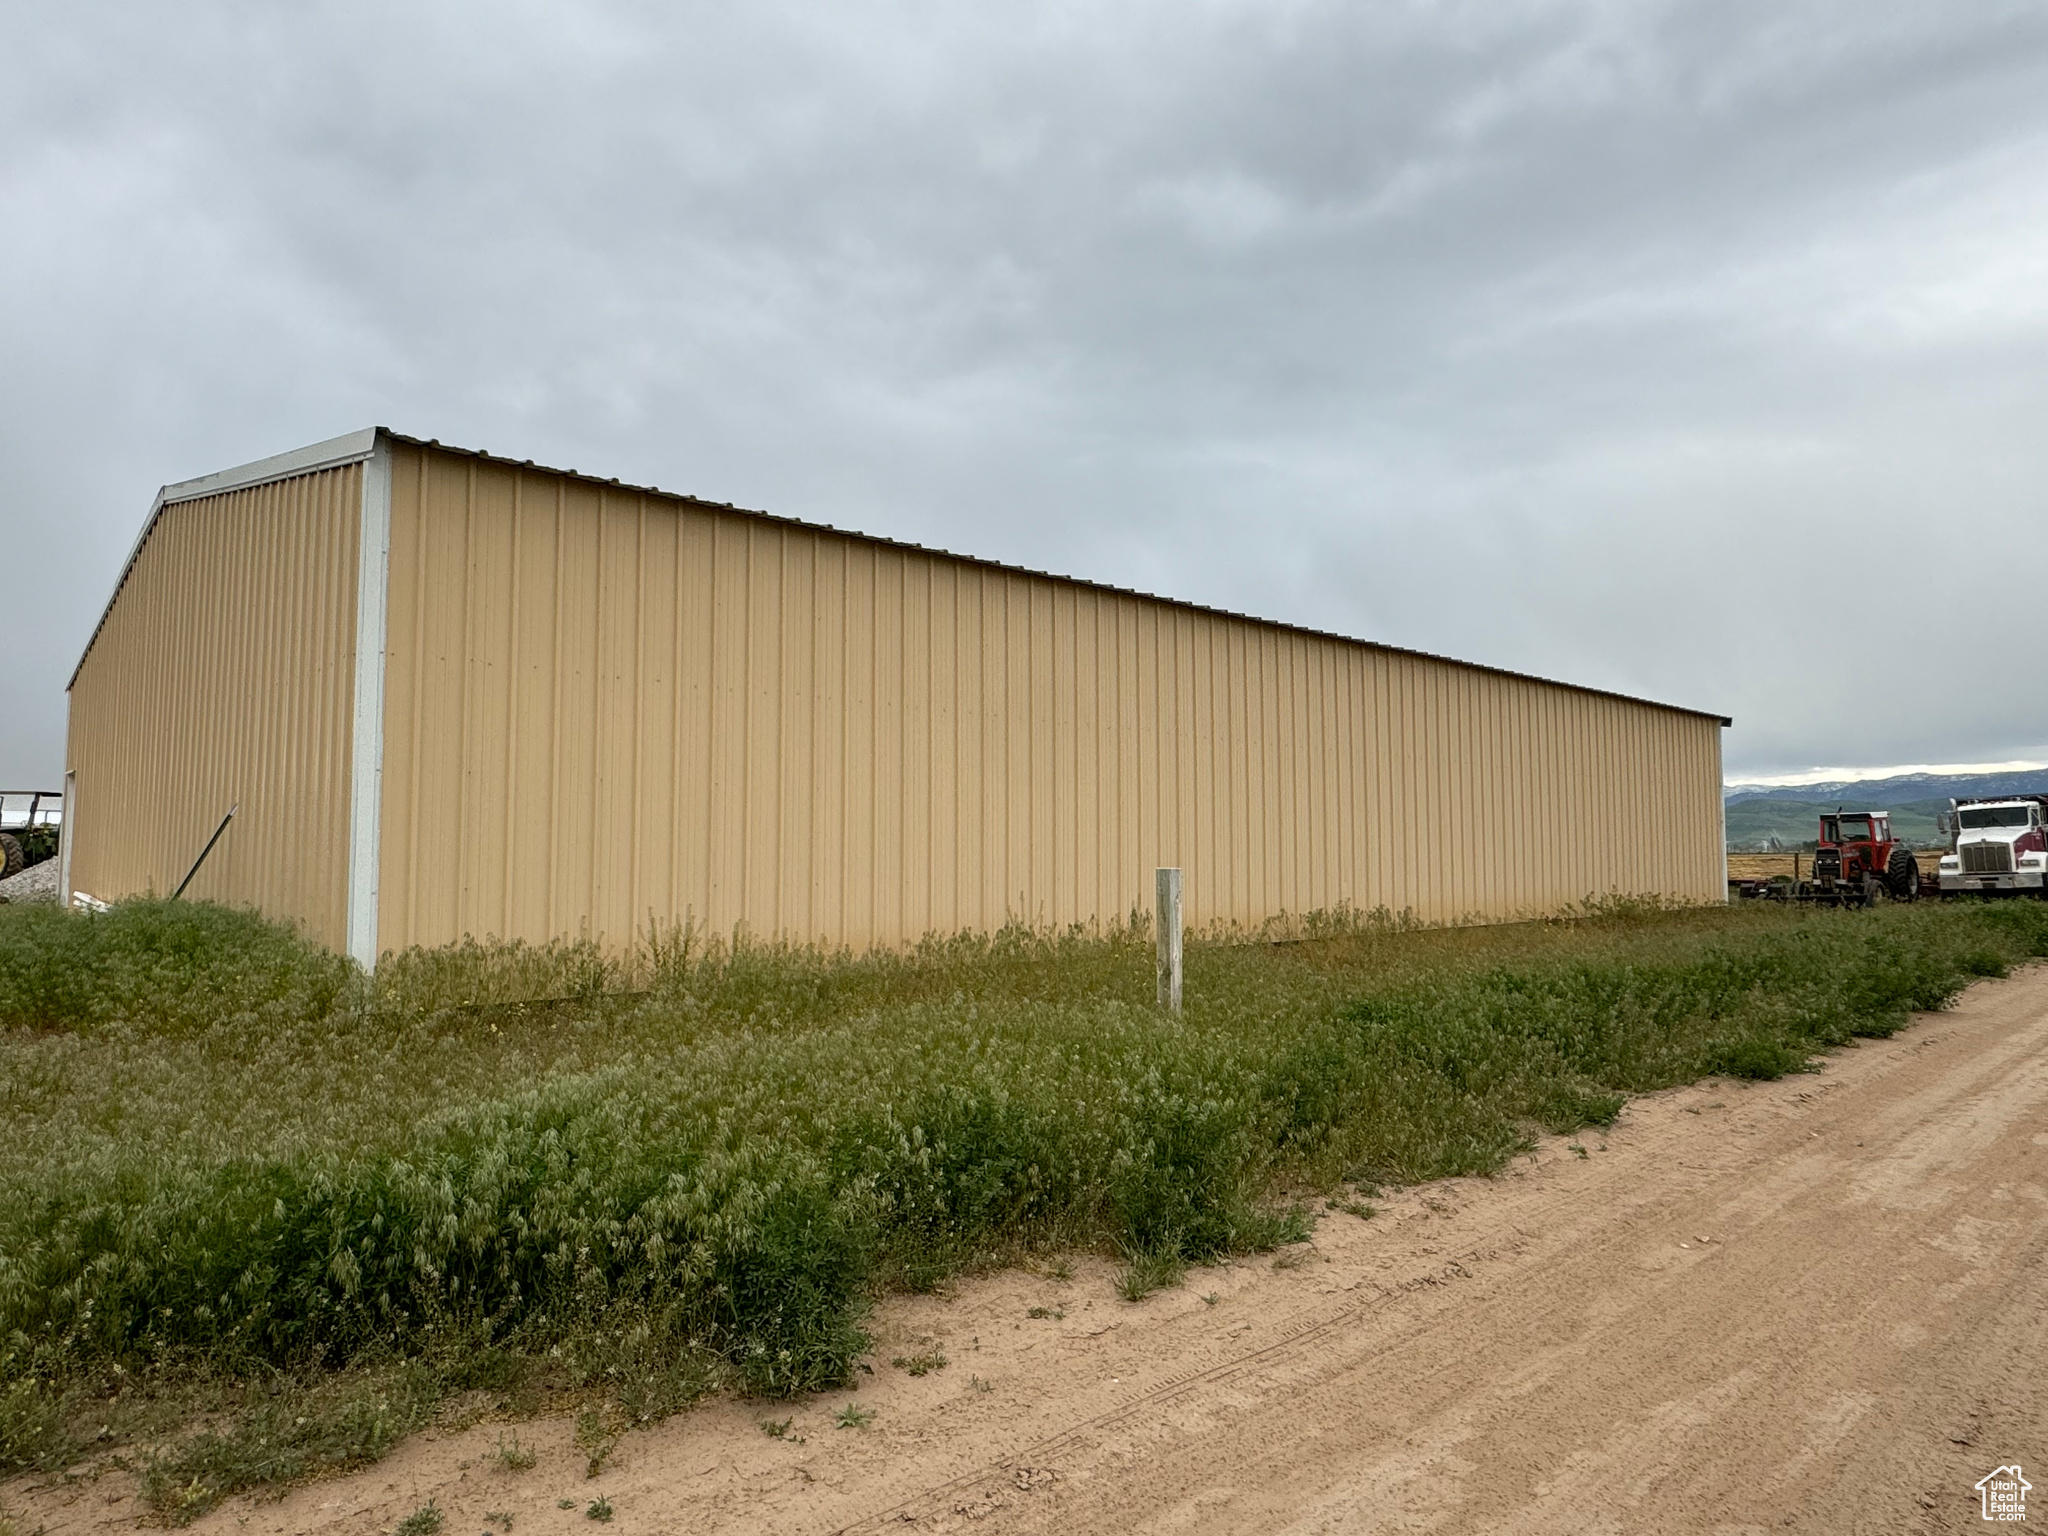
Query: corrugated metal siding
x=606 y=707
x=224 y=674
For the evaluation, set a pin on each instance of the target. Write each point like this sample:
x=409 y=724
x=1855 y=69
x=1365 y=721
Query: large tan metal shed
x=454 y=694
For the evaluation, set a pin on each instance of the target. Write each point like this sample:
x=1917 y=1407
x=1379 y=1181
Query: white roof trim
x=336 y=451
x=351 y=448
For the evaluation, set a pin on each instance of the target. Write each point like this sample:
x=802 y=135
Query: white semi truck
x=2000 y=845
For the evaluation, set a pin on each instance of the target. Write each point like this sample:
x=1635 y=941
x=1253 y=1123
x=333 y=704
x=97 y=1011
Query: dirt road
x=1818 y=1305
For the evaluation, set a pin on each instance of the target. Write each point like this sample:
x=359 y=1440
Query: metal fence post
x=1166 y=933
x=206 y=850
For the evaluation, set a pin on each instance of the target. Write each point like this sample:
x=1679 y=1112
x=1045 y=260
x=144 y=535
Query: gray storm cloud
x=1690 y=350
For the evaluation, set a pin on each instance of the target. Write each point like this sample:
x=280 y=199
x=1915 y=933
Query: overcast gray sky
x=1692 y=350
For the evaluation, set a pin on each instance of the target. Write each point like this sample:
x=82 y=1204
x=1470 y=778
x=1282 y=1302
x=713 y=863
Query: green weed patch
x=503 y=1169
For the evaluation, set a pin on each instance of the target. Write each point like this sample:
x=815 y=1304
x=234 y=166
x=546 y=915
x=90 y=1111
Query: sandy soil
x=1819 y=1304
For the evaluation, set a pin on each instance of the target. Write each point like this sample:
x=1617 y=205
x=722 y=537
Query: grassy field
x=1769 y=866
x=243 y=1187
x=1795 y=821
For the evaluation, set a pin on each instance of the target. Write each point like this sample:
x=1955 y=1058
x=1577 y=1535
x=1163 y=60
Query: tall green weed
x=160 y=965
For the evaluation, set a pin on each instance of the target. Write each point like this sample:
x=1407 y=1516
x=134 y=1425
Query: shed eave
x=1075 y=581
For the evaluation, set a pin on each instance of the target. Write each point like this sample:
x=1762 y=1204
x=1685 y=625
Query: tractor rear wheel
x=1903 y=876
x=11 y=857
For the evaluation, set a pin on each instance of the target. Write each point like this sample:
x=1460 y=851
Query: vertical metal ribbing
x=366 y=757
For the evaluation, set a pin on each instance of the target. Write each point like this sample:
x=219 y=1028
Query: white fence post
x=1166 y=933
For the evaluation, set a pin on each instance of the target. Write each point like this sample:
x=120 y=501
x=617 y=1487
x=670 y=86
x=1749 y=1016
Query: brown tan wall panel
x=606 y=707
x=224 y=675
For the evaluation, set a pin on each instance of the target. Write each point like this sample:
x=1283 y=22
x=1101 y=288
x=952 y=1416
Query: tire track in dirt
x=1296 y=1337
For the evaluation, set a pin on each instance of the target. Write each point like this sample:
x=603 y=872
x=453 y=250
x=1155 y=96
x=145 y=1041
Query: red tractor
x=1857 y=857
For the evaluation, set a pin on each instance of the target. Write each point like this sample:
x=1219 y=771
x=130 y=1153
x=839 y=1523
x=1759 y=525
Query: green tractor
x=31 y=827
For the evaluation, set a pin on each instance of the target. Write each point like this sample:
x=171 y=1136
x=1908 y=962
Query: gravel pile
x=36 y=884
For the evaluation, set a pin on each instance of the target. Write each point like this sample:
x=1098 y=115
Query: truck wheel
x=11 y=856
x=1903 y=876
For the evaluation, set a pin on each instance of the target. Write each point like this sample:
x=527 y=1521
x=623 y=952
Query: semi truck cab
x=2000 y=845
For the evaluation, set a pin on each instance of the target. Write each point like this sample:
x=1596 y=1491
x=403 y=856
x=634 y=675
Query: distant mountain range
x=1765 y=821
x=1906 y=786
x=1760 y=814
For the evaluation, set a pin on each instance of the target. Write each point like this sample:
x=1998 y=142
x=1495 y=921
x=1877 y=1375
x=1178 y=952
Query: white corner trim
x=1721 y=788
x=366 y=738
x=68 y=832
